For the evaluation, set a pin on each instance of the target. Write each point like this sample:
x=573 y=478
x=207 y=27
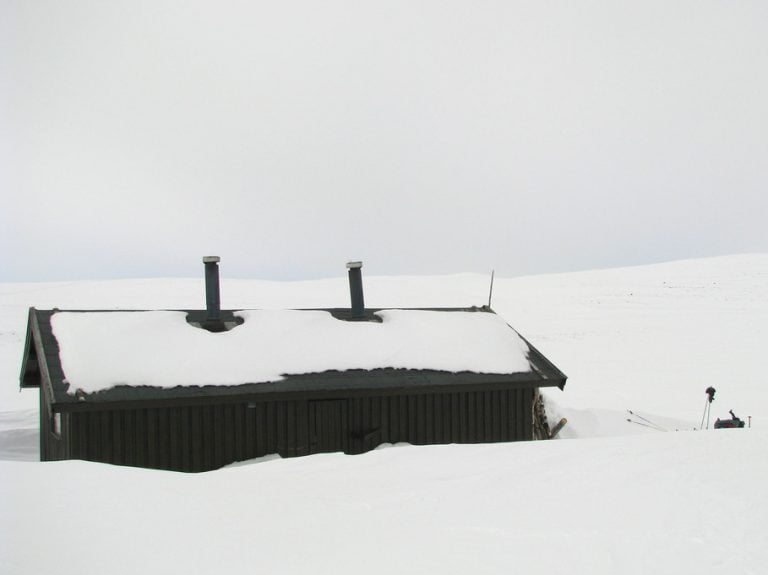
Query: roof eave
x=138 y=397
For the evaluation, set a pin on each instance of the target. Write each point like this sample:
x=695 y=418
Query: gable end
x=35 y=370
x=30 y=366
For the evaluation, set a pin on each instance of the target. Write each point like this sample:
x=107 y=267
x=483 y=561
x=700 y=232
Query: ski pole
x=645 y=419
x=646 y=425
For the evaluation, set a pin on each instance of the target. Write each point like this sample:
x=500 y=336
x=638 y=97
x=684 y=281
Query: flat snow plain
x=616 y=497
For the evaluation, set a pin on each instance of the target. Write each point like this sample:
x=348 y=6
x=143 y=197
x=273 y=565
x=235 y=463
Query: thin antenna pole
x=490 y=292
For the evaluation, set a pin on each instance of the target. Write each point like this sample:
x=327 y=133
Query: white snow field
x=615 y=497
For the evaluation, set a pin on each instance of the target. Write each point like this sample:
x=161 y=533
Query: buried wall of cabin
x=208 y=436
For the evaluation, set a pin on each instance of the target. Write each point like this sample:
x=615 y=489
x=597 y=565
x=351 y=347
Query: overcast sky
x=422 y=137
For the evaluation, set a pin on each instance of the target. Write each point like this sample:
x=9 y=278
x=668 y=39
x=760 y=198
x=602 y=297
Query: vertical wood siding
x=205 y=437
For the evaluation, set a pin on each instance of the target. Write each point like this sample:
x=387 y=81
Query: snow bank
x=671 y=503
x=99 y=350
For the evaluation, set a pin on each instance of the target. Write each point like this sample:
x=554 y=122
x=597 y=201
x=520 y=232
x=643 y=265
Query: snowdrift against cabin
x=99 y=350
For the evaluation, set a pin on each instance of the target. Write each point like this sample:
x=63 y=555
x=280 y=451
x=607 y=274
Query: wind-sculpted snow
x=679 y=503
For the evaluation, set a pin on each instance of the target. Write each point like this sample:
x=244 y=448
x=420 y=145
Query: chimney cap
x=211 y=259
x=354 y=265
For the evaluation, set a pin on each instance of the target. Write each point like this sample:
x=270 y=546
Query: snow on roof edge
x=100 y=350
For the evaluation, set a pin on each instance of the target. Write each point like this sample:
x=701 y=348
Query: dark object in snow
x=357 y=309
x=710 y=391
x=490 y=290
x=557 y=428
x=212 y=294
x=733 y=423
x=206 y=427
x=199 y=428
x=212 y=320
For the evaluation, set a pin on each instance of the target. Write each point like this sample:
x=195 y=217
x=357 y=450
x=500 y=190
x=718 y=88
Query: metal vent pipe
x=212 y=297
x=356 y=289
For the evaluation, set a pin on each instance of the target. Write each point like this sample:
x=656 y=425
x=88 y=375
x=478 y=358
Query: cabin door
x=328 y=429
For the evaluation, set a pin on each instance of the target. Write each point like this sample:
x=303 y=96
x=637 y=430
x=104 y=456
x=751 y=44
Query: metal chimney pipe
x=212 y=297
x=356 y=289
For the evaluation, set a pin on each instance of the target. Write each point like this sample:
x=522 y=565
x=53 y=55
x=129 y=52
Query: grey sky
x=422 y=137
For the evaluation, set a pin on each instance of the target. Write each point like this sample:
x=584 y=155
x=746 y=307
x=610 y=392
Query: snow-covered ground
x=619 y=498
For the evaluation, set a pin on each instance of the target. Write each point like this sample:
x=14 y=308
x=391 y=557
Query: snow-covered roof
x=101 y=350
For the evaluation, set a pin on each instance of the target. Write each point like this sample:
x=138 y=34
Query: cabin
x=194 y=390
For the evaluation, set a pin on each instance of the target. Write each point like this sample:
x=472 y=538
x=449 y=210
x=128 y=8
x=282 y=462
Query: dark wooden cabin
x=200 y=428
